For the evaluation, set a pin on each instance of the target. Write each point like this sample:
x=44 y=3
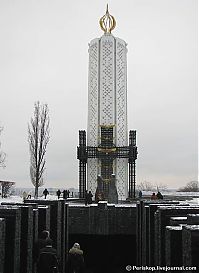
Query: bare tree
x=192 y=186
x=145 y=186
x=38 y=138
x=149 y=186
x=6 y=187
x=161 y=186
x=2 y=154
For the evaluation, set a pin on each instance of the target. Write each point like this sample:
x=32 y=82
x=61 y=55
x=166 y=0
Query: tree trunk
x=36 y=192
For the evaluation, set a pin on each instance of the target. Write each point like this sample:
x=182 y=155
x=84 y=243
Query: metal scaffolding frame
x=107 y=152
x=82 y=155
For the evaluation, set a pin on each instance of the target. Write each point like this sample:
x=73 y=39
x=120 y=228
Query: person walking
x=29 y=195
x=90 y=197
x=64 y=194
x=99 y=194
x=24 y=195
x=45 y=193
x=153 y=196
x=47 y=260
x=159 y=195
x=76 y=259
x=58 y=193
x=86 y=198
x=40 y=243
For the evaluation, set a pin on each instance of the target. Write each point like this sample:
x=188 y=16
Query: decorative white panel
x=92 y=136
x=93 y=109
x=121 y=97
x=92 y=172
x=107 y=104
x=107 y=92
x=121 y=117
x=122 y=177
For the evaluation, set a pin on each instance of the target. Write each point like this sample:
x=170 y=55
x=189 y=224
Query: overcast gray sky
x=44 y=56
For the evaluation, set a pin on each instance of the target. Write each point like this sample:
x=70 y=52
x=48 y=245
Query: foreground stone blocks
x=162 y=219
x=43 y=218
x=102 y=219
x=145 y=229
x=52 y=217
x=167 y=232
x=19 y=228
x=26 y=239
x=2 y=243
x=173 y=238
x=193 y=219
x=12 y=218
x=190 y=238
x=35 y=224
x=26 y=247
x=176 y=221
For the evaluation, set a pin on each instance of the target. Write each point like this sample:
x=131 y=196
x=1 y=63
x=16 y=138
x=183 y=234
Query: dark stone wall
x=193 y=219
x=35 y=224
x=78 y=217
x=106 y=233
x=53 y=216
x=162 y=218
x=43 y=218
x=63 y=234
x=125 y=220
x=113 y=236
x=109 y=226
x=167 y=234
x=102 y=219
x=34 y=218
x=145 y=229
x=26 y=238
x=176 y=221
x=26 y=247
x=190 y=238
x=12 y=218
x=173 y=250
x=2 y=243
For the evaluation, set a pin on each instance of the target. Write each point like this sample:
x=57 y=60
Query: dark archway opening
x=106 y=253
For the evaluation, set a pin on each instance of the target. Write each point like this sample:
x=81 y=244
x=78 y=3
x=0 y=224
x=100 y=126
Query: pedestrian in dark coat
x=99 y=194
x=153 y=196
x=86 y=198
x=58 y=193
x=90 y=197
x=76 y=259
x=47 y=261
x=45 y=193
x=159 y=195
x=40 y=243
x=64 y=194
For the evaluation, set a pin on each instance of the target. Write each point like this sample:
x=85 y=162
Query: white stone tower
x=107 y=102
x=107 y=150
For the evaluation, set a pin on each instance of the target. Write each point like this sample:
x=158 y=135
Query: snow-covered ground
x=192 y=197
x=195 y=195
x=173 y=193
x=19 y=199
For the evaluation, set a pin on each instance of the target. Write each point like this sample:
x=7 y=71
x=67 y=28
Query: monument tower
x=107 y=153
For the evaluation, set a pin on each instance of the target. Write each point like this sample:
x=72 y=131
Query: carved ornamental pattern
x=93 y=95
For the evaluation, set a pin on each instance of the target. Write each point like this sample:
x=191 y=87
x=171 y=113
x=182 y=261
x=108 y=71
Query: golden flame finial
x=107 y=22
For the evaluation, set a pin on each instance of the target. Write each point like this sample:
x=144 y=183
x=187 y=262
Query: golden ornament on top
x=107 y=22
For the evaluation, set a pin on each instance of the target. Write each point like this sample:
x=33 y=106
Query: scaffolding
x=107 y=152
